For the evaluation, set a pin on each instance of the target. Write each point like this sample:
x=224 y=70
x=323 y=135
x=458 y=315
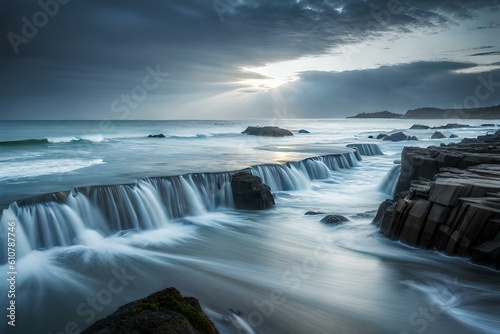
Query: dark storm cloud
x=395 y=88
x=492 y=53
x=91 y=51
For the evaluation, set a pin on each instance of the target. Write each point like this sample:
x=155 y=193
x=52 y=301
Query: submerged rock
x=334 y=219
x=250 y=193
x=163 y=312
x=419 y=127
x=438 y=135
x=268 y=131
x=303 y=131
x=453 y=136
x=313 y=213
x=160 y=135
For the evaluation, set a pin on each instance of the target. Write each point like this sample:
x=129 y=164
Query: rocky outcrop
x=398 y=136
x=438 y=135
x=303 y=131
x=160 y=135
x=163 y=312
x=448 y=199
x=267 y=131
x=366 y=149
x=249 y=193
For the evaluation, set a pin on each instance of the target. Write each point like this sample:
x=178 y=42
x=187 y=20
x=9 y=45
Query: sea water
x=284 y=271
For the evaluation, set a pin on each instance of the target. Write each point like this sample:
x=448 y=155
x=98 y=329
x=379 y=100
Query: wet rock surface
x=249 y=193
x=448 y=199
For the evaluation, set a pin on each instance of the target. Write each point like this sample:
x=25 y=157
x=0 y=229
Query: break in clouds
x=64 y=59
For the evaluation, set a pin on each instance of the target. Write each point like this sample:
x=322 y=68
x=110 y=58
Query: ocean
x=283 y=270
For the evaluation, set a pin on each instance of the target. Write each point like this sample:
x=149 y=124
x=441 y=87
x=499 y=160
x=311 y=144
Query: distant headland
x=437 y=113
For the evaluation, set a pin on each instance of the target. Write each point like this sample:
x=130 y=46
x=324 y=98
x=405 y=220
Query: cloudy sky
x=224 y=59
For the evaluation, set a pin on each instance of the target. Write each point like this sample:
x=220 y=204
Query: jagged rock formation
x=249 y=193
x=448 y=199
x=267 y=131
x=163 y=312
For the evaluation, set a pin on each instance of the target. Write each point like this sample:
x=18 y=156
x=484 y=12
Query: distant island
x=378 y=114
x=437 y=113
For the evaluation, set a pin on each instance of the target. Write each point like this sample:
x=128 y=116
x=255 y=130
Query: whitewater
x=141 y=214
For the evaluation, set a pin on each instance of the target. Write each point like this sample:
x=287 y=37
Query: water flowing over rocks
x=267 y=131
x=163 y=312
x=448 y=199
x=366 y=149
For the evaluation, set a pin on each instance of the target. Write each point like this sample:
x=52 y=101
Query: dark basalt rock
x=303 y=131
x=381 y=136
x=163 y=312
x=453 y=136
x=268 y=131
x=449 y=200
x=160 y=135
x=399 y=136
x=419 y=127
x=488 y=125
x=250 y=193
x=334 y=219
x=438 y=135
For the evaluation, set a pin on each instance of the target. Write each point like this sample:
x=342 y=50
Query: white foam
x=20 y=169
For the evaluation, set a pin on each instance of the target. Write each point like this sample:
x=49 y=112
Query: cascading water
x=297 y=175
x=388 y=185
x=49 y=221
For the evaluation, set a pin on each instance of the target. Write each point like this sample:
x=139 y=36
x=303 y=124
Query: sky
x=230 y=59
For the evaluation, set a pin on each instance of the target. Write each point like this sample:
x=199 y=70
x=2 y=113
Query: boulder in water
x=381 y=136
x=399 y=136
x=250 y=193
x=160 y=135
x=163 y=312
x=268 y=131
x=303 y=131
x=453 y=136
x=334 y=219
x=438 y=135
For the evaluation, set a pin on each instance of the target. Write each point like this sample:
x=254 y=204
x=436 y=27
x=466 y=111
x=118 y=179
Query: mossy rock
x=163 y=312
